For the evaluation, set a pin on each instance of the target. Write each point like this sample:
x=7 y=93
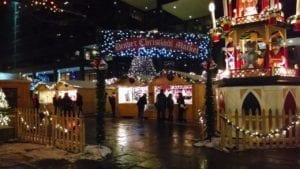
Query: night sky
x=33 y=36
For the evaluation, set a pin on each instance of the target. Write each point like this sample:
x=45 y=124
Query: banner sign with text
x=167 y=45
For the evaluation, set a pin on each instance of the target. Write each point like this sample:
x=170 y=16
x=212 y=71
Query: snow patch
x=95 y=152
x=213 y=143
x=36 y=152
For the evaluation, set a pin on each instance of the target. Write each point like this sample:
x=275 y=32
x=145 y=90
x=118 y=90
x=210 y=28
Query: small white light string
x=272 y=133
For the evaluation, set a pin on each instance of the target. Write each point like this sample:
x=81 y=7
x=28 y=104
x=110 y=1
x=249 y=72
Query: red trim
x=238 y=8
x=230 y=8
x=285 y=53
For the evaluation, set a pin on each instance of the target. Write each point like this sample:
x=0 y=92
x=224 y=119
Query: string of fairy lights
x=50 y=5
x=142 y=68
x=272 y=133
x=42 y=123
x=4 y=107
x=263 y=135
x=111 y=38
x=4 y=2
x=4 y=120
x=188 y=78
x=47 y=4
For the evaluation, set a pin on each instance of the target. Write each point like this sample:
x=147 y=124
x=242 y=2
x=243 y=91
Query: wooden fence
x=64 y=131
x=268 y=129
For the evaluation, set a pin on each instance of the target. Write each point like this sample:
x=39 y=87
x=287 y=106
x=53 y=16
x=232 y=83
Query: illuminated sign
x=160 y=45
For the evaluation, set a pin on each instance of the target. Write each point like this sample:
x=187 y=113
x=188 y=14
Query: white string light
x=4 y=107
x=112 y=38
x=57 y=126
x=277 y=132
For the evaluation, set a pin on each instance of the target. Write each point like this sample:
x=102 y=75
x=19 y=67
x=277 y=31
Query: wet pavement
x=152 y=145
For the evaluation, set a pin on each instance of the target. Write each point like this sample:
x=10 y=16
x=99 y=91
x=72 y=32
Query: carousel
x=257 y=94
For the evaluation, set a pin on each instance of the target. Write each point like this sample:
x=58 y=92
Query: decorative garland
x=46 y=114
x=201 y=117
x=49 y=5
x=271 y=134
x=4 y=120
x=188 y=79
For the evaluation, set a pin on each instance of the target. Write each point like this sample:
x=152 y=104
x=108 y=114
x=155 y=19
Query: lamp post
x=100 y=66
x=210 y=112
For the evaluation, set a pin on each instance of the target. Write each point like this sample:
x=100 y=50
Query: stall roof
x=42 y=87
x=82 y=84
x=10 y=76
x=193 y=76
x=64 y=85
x=129 y=82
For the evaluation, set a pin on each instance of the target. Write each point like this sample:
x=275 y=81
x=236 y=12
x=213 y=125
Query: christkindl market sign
x=175 y=44
x=118 y=43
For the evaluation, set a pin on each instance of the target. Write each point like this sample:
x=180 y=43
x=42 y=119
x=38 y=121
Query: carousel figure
x=250 y=56
x=276 y=56
x=229 y=56
x=248 y=7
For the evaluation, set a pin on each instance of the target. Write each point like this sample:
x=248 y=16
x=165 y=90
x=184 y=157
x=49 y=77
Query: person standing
x=141 y=106
x=79 y=103
x=67 y=104
x=112 y=102
x=36 y=102
x=161 y=104
x=170 y=106
x=181 y=107
x=55 y=102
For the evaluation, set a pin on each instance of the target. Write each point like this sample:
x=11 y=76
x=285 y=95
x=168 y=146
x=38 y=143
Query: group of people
x=162 y=104
x=66 y=105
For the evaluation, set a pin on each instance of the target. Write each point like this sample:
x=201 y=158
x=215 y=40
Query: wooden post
x=264 y=127
x=82 y=126
x=278 y=120
x=229 y=131
x=237 y=132
x=250 y=128
x=257 y=127
x=223 y=134
x=243 y=125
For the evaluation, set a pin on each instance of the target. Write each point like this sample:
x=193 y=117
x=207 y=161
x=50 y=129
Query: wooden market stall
x=130 y=90
x=88 y=91
x=17 y=91
x=193 y=92
x=85 y=88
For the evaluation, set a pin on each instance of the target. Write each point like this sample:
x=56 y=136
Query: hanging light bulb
x=295 y=19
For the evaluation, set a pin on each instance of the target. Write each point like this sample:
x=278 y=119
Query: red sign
x=175 y=44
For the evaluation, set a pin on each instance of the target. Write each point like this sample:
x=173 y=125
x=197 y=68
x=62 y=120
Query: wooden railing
x=263 y=129
x=256 y=72
x=64 y=131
